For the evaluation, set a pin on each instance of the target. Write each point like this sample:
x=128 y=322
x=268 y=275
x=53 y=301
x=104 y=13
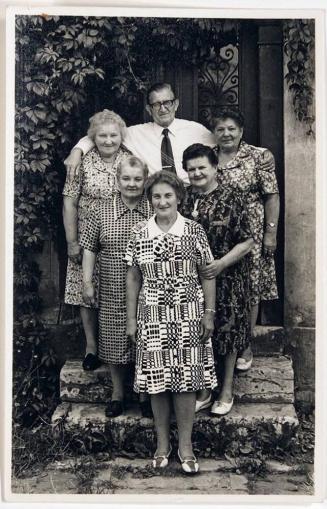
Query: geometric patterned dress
x=95 y=182
x=252 y=173
x=107 y=232
x=169 y=352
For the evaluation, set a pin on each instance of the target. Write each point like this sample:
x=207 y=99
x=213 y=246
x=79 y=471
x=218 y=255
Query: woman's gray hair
x=133 y=162
x=106 y=117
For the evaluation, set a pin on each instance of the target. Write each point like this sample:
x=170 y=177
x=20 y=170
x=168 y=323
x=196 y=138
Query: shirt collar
x=171 y=128
x=143 y=206
x=176 y=229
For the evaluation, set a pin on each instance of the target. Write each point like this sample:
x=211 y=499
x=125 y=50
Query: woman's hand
x=72 y=163
x=212 y=270
x=89 y=294
x=269 y=243
x=131 y=326
x=207 y=326
x=74 y=252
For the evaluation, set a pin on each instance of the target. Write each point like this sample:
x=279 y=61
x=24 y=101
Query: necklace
x=198 y=201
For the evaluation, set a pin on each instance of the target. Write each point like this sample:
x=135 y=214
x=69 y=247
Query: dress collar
x=176 y=229
x=120 y=208
x=243 y=152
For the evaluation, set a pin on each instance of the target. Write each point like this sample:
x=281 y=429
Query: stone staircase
x=264 y=405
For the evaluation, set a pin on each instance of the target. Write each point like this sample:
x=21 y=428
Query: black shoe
x=91 y=362
x=114 y=408
x=146 y=409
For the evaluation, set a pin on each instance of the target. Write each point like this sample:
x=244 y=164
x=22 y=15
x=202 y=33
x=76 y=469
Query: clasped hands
x=212 y=270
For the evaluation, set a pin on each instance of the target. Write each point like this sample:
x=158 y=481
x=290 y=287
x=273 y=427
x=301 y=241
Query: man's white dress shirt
x=144 y=141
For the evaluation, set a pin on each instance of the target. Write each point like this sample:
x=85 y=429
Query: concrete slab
x=270 y=379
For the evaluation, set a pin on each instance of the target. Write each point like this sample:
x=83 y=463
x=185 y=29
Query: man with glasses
x=159 y=143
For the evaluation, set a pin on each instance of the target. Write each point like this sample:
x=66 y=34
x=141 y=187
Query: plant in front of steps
x=36 y=373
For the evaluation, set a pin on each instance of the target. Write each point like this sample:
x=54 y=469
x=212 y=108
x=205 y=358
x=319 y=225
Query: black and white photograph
x=161 y=219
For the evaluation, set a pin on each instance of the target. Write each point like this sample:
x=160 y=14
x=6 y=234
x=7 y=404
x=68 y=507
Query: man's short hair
x=156 y=87
x=199 y=150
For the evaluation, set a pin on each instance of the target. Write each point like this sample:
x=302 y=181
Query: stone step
x=267 y=340
x=270 y=379
x=266 y=423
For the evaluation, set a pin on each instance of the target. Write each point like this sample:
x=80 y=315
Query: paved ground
x=123 y=476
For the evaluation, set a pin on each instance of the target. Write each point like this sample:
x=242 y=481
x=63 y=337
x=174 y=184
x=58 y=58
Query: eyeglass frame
x=163 y=103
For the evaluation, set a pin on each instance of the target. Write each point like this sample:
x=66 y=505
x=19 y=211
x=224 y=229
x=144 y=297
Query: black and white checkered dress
x=169 y=353
x=108 y=230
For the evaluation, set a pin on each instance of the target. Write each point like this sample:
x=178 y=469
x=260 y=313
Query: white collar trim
x=176 y=229
x=171 y=128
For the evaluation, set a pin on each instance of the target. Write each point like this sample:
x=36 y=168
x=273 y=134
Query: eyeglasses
x=167 y=104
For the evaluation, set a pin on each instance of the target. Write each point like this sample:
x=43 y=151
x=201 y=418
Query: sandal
x=189 y=466
x=161 y=460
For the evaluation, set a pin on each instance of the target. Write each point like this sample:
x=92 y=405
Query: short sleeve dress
x=169 y=352
x=95 y=182
x=108 y=231
x=224 y=219
x=249 y=173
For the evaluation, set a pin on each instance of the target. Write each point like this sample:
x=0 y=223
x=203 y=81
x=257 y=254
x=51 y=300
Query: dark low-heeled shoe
x=146 y=409
x=114 y=408
x=91 y=362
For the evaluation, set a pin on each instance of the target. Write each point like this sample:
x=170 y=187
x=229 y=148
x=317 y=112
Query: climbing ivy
x=299 y=37
x=63 y=66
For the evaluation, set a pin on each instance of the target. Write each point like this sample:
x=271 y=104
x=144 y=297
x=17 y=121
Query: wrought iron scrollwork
x=218 y=82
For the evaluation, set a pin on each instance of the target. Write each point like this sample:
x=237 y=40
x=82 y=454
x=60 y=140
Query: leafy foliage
x=299 y=38
x=35 y=389
x=66 y=69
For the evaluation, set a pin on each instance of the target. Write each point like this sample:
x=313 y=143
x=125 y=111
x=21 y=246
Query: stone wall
x=299 y=283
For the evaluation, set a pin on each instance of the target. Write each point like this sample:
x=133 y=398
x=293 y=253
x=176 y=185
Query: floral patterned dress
x=225 y=221
x=95 y=182
x=249 y=173
x=169 y=352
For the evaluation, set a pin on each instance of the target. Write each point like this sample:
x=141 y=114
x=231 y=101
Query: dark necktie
x=167 y=158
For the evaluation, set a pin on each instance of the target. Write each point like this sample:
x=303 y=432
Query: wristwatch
x=271 y=225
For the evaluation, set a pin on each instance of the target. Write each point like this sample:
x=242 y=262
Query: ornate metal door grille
x=218 y=82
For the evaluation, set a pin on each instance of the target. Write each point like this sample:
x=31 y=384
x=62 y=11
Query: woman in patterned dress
x=108 y=231
x=251 y=170
x=171 y=309
x=223 y=217
x=95 y=183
